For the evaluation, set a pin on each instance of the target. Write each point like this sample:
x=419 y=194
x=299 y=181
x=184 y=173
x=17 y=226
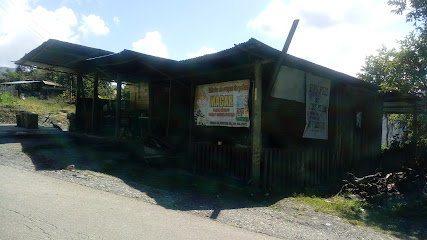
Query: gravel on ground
x=287 y=219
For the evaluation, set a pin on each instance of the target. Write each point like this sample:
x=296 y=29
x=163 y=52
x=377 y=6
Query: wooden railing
x=228 y=161
x=289 y=169
x=280 y=169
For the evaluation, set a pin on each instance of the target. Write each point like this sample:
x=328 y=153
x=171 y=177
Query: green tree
x=65 y=79
x=403 y=69
x=417 y=10
x=18 y=74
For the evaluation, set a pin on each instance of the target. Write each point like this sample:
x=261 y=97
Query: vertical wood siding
x=227 y=161
x=290 y=169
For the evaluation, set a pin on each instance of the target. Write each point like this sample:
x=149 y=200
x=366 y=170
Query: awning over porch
x=61 y=56
x=136 y=66
x=398 y=103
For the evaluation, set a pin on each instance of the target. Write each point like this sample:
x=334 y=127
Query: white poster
x=317 y=105
x=222 y=104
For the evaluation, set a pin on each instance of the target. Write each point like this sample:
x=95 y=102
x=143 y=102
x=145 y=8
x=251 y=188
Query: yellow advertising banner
x=139 y=96
x=222 y=104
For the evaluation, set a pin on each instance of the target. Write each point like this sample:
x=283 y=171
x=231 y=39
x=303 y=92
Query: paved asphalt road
x=33 y=206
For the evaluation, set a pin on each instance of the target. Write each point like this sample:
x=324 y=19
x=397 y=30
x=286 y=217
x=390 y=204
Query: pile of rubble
x=379 y=185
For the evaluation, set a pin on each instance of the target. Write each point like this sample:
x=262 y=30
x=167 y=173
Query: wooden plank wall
x=296 y=168
x=226 y=161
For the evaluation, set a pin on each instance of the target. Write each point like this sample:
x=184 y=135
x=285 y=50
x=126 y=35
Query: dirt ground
x=108 y=167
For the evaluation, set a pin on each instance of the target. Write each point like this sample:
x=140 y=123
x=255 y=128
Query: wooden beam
x=118 y=103
x=95 y=103
x=150 y=106
x=82 y=92
x=169 y=108
x=190 y=128
x=282 y=57
x=71 y=89
x=256 y=126
x=79 y=102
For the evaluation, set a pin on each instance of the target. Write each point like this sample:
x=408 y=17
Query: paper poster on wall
x=222 y=104
x=317 y=105
x=139 y=96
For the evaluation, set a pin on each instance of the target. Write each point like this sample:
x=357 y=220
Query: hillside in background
x=3 y=69
x=50 y=111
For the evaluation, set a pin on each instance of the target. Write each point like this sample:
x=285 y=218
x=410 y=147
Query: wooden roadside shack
x=315 y=123
x=225 y=112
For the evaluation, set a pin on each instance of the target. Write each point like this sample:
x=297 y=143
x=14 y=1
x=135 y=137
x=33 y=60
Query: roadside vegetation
x=405 y=219
x=53 y=110
x=393 y=199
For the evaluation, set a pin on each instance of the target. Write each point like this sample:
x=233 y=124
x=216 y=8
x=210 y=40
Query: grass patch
x=42 y=107
x=8 y=100
x=400 y=217
x=33 y=104
x=348 y=208
x=52 y=105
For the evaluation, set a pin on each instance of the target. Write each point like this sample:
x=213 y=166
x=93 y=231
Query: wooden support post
x=150 y=107
x=71 y=90
x=190 y=129
x=95 y=103
x=169 y=108
x=79 y=117
x=256 y=126
x=416 y=128
x=118 y=104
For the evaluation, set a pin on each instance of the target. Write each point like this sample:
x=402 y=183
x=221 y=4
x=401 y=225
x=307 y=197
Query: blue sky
x=333 y=33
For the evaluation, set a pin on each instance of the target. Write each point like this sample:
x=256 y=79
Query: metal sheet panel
x=290 y=85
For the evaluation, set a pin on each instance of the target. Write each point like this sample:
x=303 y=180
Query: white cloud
x=58 y=24
x=203 y=51
x=93 y=24
x=151 y=44
x=334 y=33
x=22 y=28
x=116 y=20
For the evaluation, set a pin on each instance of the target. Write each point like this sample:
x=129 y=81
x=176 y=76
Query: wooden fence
x=288 y=169
x=227 y=161
x=281 y=169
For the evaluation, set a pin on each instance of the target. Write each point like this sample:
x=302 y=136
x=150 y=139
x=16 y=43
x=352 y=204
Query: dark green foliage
x=417 y=10
x=403 y=69
x=66 y=80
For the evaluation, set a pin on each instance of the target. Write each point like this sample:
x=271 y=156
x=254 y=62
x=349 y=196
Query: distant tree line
x=67 y=80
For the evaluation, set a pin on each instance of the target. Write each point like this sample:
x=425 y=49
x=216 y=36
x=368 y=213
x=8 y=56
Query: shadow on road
x=171 y=188
x=184 y=191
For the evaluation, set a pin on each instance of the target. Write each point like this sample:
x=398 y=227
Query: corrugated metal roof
x=20 y=82
x=137 y=66
x=62 y=56
x=48 y=83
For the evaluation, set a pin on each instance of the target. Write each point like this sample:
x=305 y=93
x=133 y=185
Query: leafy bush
x=7 y=100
